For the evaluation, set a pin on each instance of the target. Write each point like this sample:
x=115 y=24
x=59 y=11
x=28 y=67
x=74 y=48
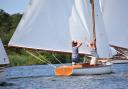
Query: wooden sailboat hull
x=93 y=70
x=82 y=69
x=64 y=71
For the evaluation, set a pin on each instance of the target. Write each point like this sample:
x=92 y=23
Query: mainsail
x=53 y=24
x=45 y=25
x=3 y=56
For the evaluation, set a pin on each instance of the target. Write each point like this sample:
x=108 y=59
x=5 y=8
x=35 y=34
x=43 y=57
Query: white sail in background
x=3 y=56
x=115 y=13
x=53 y=24
x=102 y=44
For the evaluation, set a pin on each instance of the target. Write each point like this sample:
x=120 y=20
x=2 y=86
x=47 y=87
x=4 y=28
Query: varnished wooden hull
x=82 y=69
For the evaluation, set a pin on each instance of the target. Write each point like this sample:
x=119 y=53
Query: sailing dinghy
x=51 y=25
x=3 y=56
x=3 y=60
x=97 y=31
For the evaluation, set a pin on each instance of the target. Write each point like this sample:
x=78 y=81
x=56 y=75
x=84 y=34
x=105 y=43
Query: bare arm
x=79 y=44
x=92 y=44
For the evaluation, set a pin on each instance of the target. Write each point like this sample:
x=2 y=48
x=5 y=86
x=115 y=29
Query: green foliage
x=8 y=24
x=18 y=60
x=22 y=58
x=54 y=57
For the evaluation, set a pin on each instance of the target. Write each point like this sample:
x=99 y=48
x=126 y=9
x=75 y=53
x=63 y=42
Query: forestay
x=3 y=56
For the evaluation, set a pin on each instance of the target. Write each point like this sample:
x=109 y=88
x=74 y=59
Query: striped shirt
x=75 y=52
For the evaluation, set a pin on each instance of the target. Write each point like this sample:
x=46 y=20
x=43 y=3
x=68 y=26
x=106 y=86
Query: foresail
x=80 y=23
x=102 y=43
x=45 y=25
x=115 y=13
x=3 y=56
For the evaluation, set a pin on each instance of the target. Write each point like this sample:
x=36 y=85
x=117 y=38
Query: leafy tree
x=8 y=24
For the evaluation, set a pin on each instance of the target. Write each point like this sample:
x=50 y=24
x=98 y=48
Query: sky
x=14 y=6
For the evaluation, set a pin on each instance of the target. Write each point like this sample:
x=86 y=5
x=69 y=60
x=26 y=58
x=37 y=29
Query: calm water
x=45 y=70
x=117 y=80
x=120 y=68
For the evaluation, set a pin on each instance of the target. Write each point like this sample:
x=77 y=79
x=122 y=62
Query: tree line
x=8 y=24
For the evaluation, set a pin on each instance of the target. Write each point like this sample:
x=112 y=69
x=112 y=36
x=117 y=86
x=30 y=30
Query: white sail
x=102 y=44
x=45 y=26
x=3 y=56
x=116 y=22
x=80 y=23
x=53 y=24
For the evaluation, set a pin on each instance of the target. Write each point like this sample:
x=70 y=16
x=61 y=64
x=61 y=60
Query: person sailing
x=75 y=51
x=94 y=57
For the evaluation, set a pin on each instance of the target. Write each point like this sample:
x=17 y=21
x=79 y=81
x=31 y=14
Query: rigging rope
x=39 y=58
x=57 y=59
x=122 y=54
x=43 y=58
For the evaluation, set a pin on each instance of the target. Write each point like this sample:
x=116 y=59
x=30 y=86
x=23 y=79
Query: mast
x=93 y=17
x=93 y=41
x=93 y=24
x=100 y=44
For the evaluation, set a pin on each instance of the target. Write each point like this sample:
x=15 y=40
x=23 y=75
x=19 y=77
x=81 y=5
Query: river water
x=42 y=77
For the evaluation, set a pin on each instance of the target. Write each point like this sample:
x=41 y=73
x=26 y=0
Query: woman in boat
x=94 y=57
x=75 y=51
